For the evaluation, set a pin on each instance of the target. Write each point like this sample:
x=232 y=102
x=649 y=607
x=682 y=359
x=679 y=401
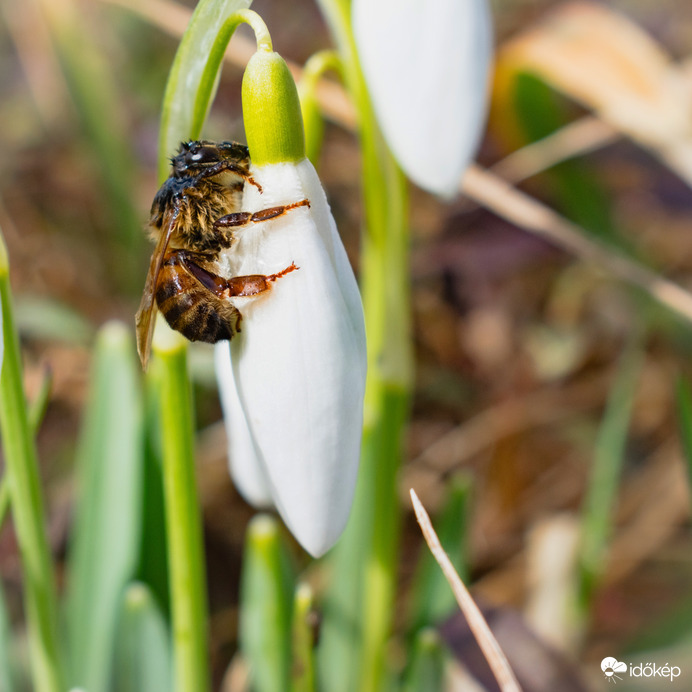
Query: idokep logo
x=615 y=670
x=611 y=667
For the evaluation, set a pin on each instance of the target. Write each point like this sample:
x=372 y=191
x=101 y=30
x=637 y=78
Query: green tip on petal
x=271 y=110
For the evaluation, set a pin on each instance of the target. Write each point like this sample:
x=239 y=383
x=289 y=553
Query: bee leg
x=253 y=284
x=229 y=166
x=243 y=218
x=250 y=285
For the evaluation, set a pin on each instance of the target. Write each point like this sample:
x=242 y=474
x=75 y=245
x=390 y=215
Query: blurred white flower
x=426 y=66
x=292 y=390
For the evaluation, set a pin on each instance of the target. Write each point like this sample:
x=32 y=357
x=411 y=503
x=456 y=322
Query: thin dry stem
x=531 y=215
x=491 y=649
x=575 y=139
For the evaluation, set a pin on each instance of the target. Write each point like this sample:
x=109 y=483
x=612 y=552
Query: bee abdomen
x=191 y=309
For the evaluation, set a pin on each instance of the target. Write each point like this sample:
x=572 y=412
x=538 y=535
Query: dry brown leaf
x=605 y=62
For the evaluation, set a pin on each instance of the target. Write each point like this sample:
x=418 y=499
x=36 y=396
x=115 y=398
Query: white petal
x=246 y=468
x=299 y=361
x=426 y=66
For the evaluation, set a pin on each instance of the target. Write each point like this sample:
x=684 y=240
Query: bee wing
x=144 y=319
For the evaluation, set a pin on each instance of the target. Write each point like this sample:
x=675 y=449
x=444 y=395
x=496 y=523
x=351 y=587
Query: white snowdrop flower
x=293 y=387
x=426 y=66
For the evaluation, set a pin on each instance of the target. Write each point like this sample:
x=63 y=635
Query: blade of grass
x=431 y=600
x=684 y=405
x=37 y=409
x=266 y=595
x=486 y=641
x=21 y=467
x=601 y=493
x=107 y=531
x=168 y=376
x=142 y=648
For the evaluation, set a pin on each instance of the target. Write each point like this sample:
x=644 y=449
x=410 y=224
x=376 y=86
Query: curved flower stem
x=27 y=503
x=315 y=68
x=193 y=77
x=365 y=559
x=318 y=64
x=183 y=514
x=211 y=69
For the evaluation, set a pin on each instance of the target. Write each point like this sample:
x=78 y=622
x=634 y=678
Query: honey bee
x=192 y=220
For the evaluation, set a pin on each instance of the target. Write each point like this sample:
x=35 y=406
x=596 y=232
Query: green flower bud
x=271 y=110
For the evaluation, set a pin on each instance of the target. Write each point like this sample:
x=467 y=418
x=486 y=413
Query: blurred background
x=532 y=361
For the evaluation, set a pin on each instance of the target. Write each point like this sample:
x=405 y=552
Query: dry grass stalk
x=575 y=139
x=531 y=215
x=491 y=649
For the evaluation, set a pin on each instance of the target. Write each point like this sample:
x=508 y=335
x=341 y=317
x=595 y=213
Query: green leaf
x=426 y=672
x=25 y=494
x=48 y=318
x=105 y=545
x=142 y=648
x=432 y=600
x=153 y=554
x=605 y=475
x=188 y=96
x=266 y=596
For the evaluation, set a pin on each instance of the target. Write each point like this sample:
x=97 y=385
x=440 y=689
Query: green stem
x=366 y=559
x=183 y=515
x=27 y=503
x=302 y=664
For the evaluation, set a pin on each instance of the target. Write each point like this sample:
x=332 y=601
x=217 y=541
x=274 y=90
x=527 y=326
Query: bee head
x=195 y=156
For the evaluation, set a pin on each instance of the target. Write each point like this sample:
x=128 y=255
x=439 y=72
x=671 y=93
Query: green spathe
x=271 y=110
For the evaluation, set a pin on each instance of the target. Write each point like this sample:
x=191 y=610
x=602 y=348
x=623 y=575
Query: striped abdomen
x=190 y=307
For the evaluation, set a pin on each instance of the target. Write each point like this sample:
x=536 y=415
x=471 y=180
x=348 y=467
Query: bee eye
x=202 y=155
